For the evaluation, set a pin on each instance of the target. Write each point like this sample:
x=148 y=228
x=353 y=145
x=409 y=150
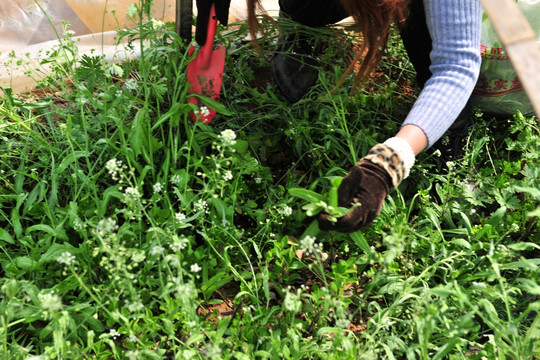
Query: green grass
x=129 y=232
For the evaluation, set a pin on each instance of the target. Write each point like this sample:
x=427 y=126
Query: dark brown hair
x=373 y=19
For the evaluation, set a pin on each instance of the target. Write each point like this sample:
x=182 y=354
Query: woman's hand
x=366 y=185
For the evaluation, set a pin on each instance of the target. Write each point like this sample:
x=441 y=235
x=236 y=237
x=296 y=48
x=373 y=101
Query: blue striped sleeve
x=455 y=27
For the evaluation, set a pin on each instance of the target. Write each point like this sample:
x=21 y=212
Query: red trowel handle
x=206 y=50
x=205 y=71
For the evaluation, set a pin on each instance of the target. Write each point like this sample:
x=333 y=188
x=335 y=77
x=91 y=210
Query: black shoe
x=294 y=66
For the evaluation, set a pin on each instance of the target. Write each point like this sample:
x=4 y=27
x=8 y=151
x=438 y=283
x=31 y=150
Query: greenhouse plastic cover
x=30 y=28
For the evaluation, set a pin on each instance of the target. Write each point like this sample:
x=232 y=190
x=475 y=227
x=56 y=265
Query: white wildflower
x=308 y=244
x=200 y=205
x=113 y=333
x=157 y=250
x=228 y=137
x=179 y=244
x=186 y=291
x=213 y=351
x=131 y=85
x=173 y=261
x=131 y=195
x=176 y=179
x=228 y=176
x=79 y=225
x=180 y=216
x=292 y=302
x=50 y=302
x=514 y=227
x=132 y=338
x=158 y=187
x=157 y=24
x=118 y=93
x=138 y=256
x=66 y=258
x=106 y=227
x=286 y=211
x=135 y=306
x=195 y=268
x=133 y=355
x=114 y=167
x=191 y=324
x=203 y=112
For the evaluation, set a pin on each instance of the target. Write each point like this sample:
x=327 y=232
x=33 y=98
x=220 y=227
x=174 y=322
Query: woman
x=442 y=38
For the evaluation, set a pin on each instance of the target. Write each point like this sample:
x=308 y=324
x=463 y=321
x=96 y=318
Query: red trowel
x=205 y=71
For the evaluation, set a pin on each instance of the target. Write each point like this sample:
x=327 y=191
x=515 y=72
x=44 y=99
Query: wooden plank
x=519 y=42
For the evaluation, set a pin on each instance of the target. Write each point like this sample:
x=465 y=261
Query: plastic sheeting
x=30 y=28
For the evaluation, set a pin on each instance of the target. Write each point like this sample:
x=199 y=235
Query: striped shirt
x=455 y=27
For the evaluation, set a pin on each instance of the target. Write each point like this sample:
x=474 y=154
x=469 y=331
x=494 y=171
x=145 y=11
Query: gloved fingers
x=348 y=188
x=365 y=187
x=354 y=221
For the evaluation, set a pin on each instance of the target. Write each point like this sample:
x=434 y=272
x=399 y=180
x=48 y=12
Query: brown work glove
x=367 y=184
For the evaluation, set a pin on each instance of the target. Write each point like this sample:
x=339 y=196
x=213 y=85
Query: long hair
x=373 y=19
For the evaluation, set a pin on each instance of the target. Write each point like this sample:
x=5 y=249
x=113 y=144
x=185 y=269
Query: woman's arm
x=455 y=27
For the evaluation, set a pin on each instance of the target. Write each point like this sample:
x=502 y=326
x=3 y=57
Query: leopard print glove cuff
x=395 y=156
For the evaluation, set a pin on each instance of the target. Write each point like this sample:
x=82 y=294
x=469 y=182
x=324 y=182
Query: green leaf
x=138 y=134
x=333 y=194
x=4 y=235
x=55 y=250
x=530 y=190
x=108 y=194
x=215 y=283
x=312 y=209
x=467 y=222
x=307 y=195
x=441 y=291
x=41 y=227
x=26 y=263
x=312 y=230
x=175 y=110
x=441 y=354
x=241 y=356
x=212 y=104
x=534 y=213
x=361 y=241
x=328 y=330
x=222 y=327
x=530 y=286
x=496 y=217
x=462 y=242
x=70 y=158
x=240 y=146
x=521 y=246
